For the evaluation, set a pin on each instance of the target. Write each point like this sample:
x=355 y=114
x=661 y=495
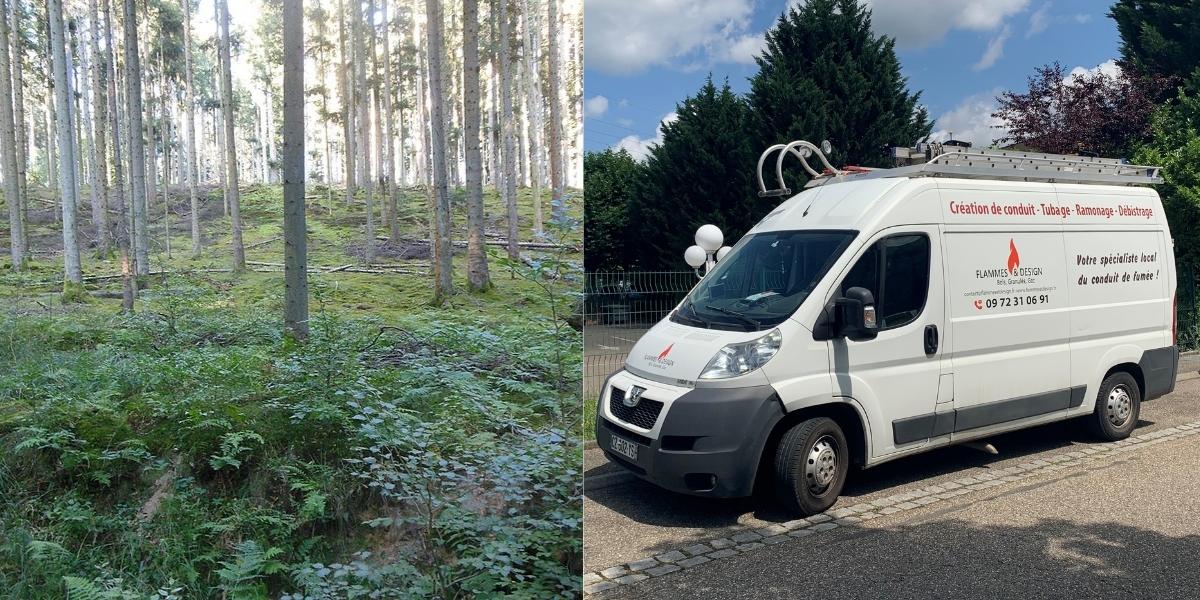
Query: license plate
x=624 y=447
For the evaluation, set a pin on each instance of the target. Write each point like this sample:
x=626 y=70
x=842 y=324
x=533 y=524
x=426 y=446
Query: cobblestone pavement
x=674 y=538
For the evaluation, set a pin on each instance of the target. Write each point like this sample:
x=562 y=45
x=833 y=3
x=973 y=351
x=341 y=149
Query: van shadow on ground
x=954 y=558
x=646 y=503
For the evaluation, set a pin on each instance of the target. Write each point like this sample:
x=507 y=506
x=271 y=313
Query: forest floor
x=190 y=450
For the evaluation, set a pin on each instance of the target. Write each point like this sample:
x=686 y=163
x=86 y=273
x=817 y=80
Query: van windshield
x=763 y=280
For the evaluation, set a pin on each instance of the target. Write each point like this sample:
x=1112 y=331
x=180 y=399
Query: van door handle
x=931 y=340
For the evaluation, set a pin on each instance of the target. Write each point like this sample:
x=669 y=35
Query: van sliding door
x=1011 y=331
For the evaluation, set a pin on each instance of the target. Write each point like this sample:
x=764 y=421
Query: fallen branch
x=264 y=242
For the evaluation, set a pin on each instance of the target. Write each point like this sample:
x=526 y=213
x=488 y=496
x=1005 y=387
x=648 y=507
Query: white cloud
x=639 y=147
x=1108 y=67
x=595 y=106
x=971 y=120
x=629 y=36
x=917 y=24
x=993 y=52
x=744 y=49
x=1039 y=21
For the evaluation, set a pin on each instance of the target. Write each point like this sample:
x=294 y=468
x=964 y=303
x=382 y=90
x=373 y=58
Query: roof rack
x=944 y=160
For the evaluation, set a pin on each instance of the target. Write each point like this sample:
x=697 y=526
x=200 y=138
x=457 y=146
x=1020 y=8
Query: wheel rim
x=820 y=467
x=1120 y=406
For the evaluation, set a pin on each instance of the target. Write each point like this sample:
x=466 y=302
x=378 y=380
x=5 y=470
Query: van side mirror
x=855 y=315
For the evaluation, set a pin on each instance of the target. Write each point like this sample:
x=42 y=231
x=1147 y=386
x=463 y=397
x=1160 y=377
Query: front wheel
x=811 y=463
x=1118 y=405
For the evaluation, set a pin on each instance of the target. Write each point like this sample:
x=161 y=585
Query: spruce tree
x=610 y=178
x=1158 y=39
x=702 y=172
x=825 y=76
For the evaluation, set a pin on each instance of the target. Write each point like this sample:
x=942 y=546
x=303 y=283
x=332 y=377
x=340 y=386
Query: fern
x=240 y=577
x=79 y=588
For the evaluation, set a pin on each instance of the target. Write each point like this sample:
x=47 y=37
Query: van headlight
x=739 y=359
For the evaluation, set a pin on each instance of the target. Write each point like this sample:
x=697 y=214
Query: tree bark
x=88 y=122
x=137 y=147
x=556 y=135
x=66 y=174
x=189 y=84
x=295 y=247
x=346 y=104
x=128 y=290
x=477 y=266
x=231 y=166
x=533 y=108
x=509 y=155
x=16 y=54
x=9 y=149
x=367 y=57
x=443 y=285
x=99 y=120
x=389 y=177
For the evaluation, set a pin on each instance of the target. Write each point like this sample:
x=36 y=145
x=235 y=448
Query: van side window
x=896 y=271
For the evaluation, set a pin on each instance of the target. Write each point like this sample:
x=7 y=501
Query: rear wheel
x=811 y=463
x=1118 y=405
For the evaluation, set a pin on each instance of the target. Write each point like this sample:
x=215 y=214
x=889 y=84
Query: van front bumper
x=709 y=440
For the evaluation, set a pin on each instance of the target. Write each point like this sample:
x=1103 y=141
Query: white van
x=882 y=313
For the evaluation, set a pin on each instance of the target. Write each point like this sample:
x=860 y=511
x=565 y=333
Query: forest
x=290 y=301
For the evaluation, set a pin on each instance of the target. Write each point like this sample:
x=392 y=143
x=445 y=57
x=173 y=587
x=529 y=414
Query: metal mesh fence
x=1187 y=318
x=619 y=307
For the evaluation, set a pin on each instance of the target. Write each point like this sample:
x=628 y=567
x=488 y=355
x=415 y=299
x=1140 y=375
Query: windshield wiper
x=696 y=316
x=736 y=314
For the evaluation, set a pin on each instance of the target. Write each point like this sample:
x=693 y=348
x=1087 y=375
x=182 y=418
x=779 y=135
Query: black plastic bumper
x=709 y=444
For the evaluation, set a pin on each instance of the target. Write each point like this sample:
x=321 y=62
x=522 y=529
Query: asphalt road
x=1126 y=529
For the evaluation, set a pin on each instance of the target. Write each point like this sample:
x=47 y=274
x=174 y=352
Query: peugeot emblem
x=633 y=396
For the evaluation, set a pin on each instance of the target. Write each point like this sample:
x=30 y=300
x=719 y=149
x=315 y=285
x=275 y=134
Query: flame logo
x=1014 y=259
x=666 y=352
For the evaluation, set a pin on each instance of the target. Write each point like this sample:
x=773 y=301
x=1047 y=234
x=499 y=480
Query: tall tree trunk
x=295 y=247
x=99 y=110
x=9 y=149
x=164 y=135
x=556 y=135
x=66 y=174
x=443 y=267
x=137 y=147
x=363 y=97
x=128 y=290
x=23 y=134
x=77 y=135
x=95 y=192
x=509 y=168
x=367 y=58
x=231 y=166
x=346 y=105
x=390 y=143
x=533 y=108
x=193 y=199
x=477 y=266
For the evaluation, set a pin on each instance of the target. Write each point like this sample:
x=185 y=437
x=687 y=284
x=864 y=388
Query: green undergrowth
x=189 y=450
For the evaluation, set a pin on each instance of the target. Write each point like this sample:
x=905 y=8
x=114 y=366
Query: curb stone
x=749 y=540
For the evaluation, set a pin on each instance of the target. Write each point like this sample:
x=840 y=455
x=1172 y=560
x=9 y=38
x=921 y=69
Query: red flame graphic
x=1014 y=259
x=666 y=352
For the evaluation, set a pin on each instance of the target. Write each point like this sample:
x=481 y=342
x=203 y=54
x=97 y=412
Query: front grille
x=644 y=415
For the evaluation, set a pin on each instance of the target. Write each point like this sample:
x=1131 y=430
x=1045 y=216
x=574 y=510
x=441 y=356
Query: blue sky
x=643 y=56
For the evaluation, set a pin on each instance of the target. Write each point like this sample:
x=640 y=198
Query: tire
x=1118 y=404
x=811 y=463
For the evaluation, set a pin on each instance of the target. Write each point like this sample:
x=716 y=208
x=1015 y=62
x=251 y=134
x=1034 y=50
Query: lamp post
x=707 y=251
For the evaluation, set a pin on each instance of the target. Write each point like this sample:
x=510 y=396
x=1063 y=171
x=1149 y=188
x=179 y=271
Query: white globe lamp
x=722 y=252
x=709 y=238
x=695 y=256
